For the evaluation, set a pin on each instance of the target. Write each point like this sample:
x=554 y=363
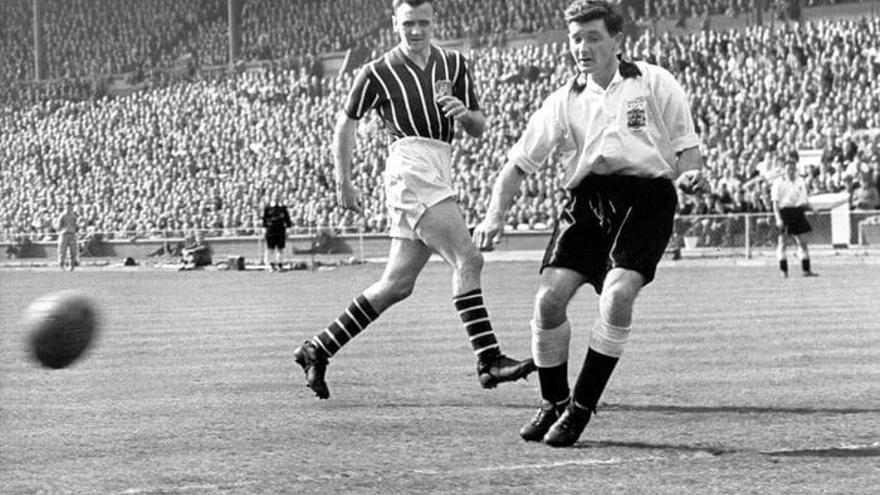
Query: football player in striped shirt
x=421 y=92
x=625 y=137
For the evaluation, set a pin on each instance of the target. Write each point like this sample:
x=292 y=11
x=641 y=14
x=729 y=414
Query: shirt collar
x=397 y=55
x=625 y=70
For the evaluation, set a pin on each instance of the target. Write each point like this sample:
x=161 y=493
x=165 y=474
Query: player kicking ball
x=626 y=139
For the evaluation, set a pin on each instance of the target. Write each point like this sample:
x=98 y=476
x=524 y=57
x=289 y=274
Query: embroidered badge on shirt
x=637 y=113
x=442 y=88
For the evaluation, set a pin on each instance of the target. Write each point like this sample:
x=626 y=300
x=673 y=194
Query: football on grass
x=60 y=327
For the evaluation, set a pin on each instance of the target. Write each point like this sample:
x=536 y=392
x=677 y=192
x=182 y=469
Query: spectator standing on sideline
x=623 y=132
x=68 y=241
x=276 y=221
x=789 y=196
x=421 y=92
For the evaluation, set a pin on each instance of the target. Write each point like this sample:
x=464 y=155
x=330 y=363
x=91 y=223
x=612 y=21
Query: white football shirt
x=634 y=127
x=789 y=193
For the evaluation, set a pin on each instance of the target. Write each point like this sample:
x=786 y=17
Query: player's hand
x=779 y=222
x=452 y=107
x=692 y=182
x=348 y=197
x=487 y=234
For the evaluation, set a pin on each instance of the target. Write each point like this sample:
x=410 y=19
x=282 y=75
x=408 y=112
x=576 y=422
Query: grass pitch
x=735 y=381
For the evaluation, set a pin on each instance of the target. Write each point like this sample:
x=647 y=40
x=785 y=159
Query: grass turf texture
x=735 y=381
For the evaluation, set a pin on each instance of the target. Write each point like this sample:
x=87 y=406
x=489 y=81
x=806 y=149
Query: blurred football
x=60 y=327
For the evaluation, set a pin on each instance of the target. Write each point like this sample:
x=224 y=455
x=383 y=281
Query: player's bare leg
x=276 y=265
x=804 y=255
x=781 y=256
x=406 y=258
x=609 y=336
x=551 y=335
x=267 y=259
x=442 y=228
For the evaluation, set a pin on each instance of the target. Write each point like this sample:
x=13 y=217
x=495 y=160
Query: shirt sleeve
x=287 y=221
x=537 y=141
x=463 y=87
x=363 y=95
x=774 y=191
x=676 y=111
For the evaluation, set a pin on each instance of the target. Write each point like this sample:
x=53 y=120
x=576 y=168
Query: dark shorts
x=613 y=221
x=794 y=221
x=276 y=241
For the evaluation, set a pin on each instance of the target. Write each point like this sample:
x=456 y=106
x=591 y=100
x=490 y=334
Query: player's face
x=593 y=48
x=414 y=26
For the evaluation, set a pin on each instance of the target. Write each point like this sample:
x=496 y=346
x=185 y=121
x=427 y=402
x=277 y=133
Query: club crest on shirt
x=637 y=113
x=442 y=87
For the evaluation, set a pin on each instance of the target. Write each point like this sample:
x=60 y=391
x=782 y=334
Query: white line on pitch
x=556 y=464
x=200 y=487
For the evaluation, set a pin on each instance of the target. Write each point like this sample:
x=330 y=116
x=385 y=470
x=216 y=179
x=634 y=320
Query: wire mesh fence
x=730 y=235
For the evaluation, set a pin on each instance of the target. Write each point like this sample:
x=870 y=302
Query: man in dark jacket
x=276 y=220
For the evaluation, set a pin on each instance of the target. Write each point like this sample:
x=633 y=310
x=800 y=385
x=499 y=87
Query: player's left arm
x=287 y=221
x=463 y=104
x=473 y=122
x=672 y=102
x=690 y=171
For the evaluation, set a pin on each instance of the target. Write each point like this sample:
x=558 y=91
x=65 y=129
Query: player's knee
x=470 y=261
x=396 y=290
x=551 y=304
x=621 y=292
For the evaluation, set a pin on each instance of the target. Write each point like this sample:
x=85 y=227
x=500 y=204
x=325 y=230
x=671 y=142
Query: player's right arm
x=776 y=214
x=531 y=151
x=362 y=97
x=343 y=150
x=774 y=201
x=490 y=230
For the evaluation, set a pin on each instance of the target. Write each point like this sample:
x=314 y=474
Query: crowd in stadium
x=208 y=152
x=88 y=37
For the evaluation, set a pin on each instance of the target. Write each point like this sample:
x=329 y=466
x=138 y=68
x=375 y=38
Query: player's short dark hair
x=590 y=10
x=411 y=3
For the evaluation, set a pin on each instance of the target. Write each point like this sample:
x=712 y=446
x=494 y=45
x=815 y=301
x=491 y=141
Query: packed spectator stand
x=206 y=151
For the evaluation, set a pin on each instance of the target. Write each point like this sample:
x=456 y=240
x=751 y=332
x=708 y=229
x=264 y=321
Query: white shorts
x=418 y=175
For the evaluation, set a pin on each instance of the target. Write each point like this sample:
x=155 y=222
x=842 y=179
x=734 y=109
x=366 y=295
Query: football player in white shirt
x=789 y=196
x=624 y=134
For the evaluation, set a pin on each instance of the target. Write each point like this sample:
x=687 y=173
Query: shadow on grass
x=735 y=409
x=708 y=449
x=856 y=451
x=615 y=407
x=872 y=450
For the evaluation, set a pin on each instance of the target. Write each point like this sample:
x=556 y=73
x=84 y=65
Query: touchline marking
x=557 y=464
x=195 y=487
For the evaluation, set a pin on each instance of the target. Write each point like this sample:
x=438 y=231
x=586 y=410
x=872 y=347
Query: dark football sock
x=349 y=324
x=554 y=383
x=593 y=378
x=783 y=265
x=805 y=265
x=475 y=317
